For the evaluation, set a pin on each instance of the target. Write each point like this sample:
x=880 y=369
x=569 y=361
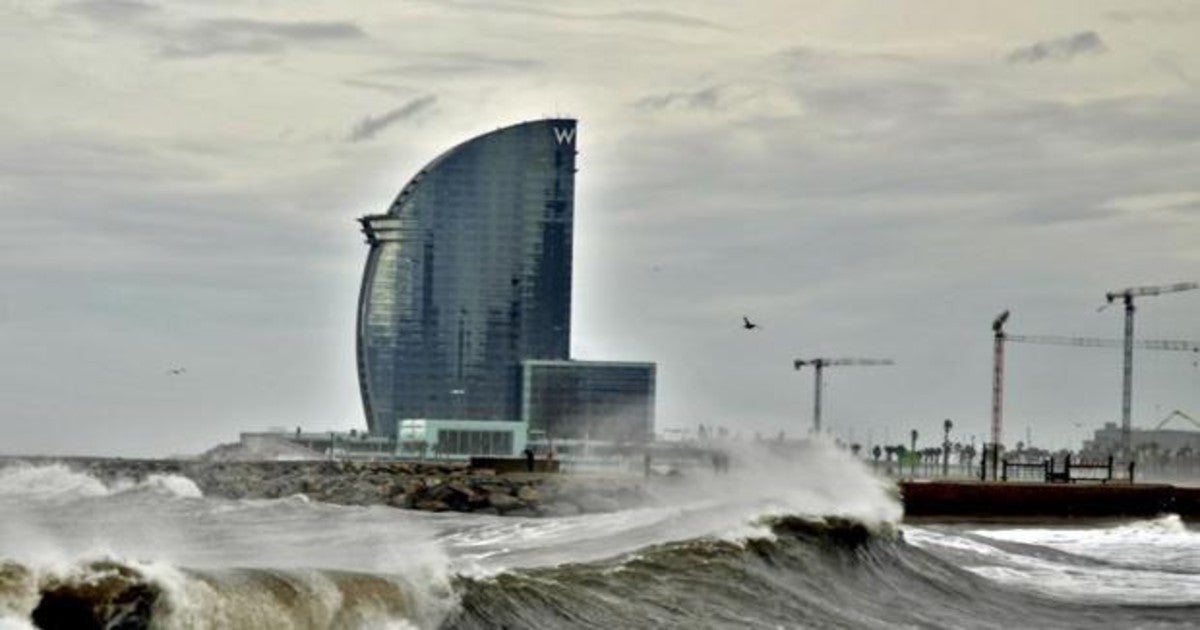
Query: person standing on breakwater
x=528 y=452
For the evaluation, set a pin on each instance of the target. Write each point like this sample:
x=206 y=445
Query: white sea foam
x=1163 y=543
x=253 y=599
x=15 y=623
x=59 y=482
x=170 y=485
x=48 y=481
x=1147 y=562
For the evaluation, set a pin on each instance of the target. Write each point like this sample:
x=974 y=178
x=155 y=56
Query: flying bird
x=747 y=324
x=177 y=371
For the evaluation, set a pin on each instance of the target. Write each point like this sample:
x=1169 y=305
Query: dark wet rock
x=455 y=496
x=109 y=596
x=430 y=505
x=528 y=494
x=505 y=503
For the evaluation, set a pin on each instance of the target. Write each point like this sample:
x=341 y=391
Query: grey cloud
x=708 y=98
x=376 y=86
x=643 y=16
x=812 y=58
x=109 y=10
x=241 y=36
x=459 y=63
x=1061 y=49
x=660 y=17
x=370 y=126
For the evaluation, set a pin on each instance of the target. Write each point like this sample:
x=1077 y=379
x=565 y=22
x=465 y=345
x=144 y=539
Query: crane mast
x=998 y=376
x=819 y=365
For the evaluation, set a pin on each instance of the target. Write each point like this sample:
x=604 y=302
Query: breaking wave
x=127 y=594
x=56 y=482
x=830 y=573
x=803 y=572
x=761 y=549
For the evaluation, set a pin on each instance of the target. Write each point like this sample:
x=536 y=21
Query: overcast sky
x=179 y=183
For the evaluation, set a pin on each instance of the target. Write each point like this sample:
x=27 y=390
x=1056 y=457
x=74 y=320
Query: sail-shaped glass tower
x=469 y=274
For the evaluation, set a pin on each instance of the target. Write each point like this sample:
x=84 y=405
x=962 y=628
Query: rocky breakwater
x=430 y=486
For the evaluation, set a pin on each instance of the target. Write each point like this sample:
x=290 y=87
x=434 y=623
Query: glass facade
x=475 y=443
x=468 y=274
x=594 y=400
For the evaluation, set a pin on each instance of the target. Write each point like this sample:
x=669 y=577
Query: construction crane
x=1127 y=296
x=1000 y=337
x=1177 y=345
x=819 y=366
x=998 y=376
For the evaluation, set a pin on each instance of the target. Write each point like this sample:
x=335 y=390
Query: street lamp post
x=913 y=456
x=946 y=426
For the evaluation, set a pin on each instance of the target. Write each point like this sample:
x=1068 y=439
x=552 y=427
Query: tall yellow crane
x=819 y=366
x=1127 y=296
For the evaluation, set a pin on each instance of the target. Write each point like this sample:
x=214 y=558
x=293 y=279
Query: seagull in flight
x=747 y=324
x=177 y=371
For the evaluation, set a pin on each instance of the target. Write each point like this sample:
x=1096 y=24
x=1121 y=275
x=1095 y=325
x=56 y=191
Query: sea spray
x=702 y=504
x=816 y=478
x=18 y=592
x=58 y=482
x=47 y=482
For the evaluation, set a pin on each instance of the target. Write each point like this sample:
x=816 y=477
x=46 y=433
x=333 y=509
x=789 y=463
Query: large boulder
x=504 y=502
x=455 y=495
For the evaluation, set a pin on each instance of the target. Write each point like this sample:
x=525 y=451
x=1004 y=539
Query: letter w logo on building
x=564 y=135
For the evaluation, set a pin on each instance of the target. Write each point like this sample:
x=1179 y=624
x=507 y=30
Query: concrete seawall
x=1041 y=500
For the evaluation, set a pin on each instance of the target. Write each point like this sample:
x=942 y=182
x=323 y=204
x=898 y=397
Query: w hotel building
x=468 y=277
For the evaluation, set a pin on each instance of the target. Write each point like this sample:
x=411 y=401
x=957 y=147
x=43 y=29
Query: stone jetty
x=430 y=486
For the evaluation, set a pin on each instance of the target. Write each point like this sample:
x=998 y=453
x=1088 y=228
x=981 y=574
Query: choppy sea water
x=813 y=544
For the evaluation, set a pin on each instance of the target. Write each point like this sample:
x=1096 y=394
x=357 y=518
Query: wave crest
x=51 y=482
x=114 y=593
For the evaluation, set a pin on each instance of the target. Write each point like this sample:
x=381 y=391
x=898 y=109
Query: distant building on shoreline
x=1165 y=441
x=468 y=280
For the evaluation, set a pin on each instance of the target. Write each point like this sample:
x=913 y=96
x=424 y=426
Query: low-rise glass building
x=459 y=439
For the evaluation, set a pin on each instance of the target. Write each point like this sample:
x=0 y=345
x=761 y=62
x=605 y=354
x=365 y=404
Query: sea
x=815 y=543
